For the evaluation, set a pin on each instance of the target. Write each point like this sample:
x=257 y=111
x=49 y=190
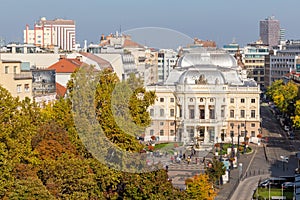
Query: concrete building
x=16 y=81
x=167 y=59
x=281 y=61
x=205 y=100
x=254 y=61
x=269 y=31
x=232 y=48
x=49 y=34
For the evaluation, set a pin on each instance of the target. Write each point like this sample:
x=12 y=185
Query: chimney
x=79 y=58
x=62 y=57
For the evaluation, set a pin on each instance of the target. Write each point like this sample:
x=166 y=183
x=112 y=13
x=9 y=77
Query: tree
x=283 y=95
x=200 y=187
x=215 y=171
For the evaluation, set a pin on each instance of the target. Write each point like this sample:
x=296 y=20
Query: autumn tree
x=283 y=95
x=200 y=187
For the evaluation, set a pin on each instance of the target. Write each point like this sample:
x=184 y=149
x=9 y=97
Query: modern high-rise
x=52 y=33
x=270 y=31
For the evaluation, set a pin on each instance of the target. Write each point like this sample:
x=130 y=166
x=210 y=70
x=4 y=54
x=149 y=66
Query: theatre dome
x=205 y=76
x=217 y=58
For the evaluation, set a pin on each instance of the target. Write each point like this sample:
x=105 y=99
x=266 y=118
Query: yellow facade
x=18 y=83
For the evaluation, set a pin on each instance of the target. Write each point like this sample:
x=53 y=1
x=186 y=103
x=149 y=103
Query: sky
x=220 y=20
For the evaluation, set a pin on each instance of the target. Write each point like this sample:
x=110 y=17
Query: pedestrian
x=188 y=160
x=183 y=156
x=196 y=161
x=172 y=159
x=203 y=161
x=167 y=168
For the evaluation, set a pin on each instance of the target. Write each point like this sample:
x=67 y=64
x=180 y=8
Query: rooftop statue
x=201 y=80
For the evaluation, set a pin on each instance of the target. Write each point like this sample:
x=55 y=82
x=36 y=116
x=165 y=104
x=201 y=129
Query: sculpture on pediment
x=201 y=80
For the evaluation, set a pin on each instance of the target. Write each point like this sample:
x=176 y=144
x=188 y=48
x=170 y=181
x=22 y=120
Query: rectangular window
x=202 y=112
x=252 y=100
x=252 y=124
x=191 y=112
x=6 y=69
x=151 y=112
x=172 y=100
x=231 y=100
x=161 y=99
x=212 y=113
x=242 y=100
x=242 y=133
x=19 y=89
x=231 y=113
x=151 y=132
x=161 y=112
x=26 y=87
x=242 y=113
x=15 y=69
x=172 y=123
x=172 y=132
x=253 y=134
x=161 y=132
x=172 y=112
x=252 y=113
x=190 y=130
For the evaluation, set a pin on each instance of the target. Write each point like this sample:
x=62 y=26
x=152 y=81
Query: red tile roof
x=66 y=65
x=130 y=43
x=60 y=90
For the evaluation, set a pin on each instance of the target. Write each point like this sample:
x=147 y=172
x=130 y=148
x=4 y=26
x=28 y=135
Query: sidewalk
x=227 y=190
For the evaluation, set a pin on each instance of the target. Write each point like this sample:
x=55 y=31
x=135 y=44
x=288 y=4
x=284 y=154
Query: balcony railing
x=23 y=75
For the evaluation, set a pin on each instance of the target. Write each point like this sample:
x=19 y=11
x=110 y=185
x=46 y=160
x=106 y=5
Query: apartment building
x=59 y=33
x=16 y=81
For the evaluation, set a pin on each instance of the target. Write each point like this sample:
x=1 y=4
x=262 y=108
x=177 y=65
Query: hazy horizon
x=221 y=21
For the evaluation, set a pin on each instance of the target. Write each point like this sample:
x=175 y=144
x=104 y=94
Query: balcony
x=23 y=75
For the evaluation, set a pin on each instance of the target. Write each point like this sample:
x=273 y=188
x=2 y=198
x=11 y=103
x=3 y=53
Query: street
x=270 y=158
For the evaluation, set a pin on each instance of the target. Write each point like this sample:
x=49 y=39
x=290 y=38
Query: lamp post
x=232 y=149
x=245 y=140
x=238 y=147
x=221 y=143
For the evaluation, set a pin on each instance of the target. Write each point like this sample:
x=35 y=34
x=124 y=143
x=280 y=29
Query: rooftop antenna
x=120 y=29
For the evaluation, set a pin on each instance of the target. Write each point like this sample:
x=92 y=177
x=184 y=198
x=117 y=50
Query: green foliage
x=103 y=99
x=216 y=170
x=42 y=156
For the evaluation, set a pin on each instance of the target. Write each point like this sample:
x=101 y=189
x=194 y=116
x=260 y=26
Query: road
x=270 y=164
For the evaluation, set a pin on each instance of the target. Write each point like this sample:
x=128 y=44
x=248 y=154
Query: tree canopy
x=42 y=156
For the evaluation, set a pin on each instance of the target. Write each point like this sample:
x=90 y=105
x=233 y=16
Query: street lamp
x=232 y=149
x=245 y=140
x=221 y=144
x=238 y=147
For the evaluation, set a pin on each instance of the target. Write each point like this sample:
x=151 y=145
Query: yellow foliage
x=200 y=188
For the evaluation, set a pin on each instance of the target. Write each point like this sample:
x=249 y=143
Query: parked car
x=273 y=182
x=264 y=183
x=287 y=185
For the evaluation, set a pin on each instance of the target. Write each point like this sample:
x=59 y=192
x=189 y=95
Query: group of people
x=188 y=159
